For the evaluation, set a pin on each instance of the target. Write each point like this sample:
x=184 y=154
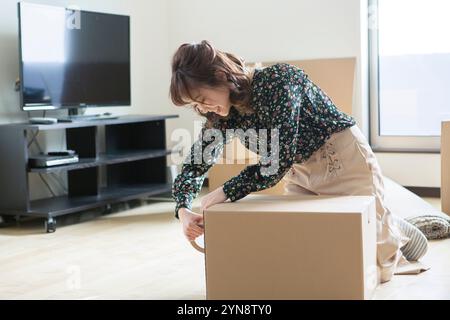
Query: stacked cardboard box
x=445 y=166
x=291 y=247
x=235 y=158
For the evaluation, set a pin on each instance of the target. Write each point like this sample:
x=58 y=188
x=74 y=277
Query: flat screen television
x=72 y=58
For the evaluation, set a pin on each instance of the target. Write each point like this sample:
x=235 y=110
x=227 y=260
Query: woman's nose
x=204 y=109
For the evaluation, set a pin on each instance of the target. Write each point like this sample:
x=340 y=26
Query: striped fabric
x=418 y=244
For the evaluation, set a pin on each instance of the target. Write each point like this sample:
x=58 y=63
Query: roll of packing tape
x=197 y=247
x=195 y=244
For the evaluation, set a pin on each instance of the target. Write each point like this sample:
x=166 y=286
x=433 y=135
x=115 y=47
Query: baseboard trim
x=429 y=192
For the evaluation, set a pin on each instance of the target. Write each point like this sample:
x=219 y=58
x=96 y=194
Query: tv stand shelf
x=104 y=159
x=60 y=205
x=131 y=165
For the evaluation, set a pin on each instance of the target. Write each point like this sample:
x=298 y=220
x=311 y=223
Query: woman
x=320 y=149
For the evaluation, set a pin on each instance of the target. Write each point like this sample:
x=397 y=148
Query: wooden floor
x=141 y=253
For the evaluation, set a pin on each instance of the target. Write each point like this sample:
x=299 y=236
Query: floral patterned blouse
x=283 y=98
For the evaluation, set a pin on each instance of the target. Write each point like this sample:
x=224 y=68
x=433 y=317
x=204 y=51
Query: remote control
x=42 y=120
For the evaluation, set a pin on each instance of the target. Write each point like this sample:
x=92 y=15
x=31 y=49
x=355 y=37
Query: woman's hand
x=216 y=196
x=192 y=223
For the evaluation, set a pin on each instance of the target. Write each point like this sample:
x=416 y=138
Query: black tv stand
x=131 y=165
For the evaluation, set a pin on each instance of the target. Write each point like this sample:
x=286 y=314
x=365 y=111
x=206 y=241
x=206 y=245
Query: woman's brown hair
x=196 y=65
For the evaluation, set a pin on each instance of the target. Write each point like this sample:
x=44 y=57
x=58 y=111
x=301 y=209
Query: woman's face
x=215 y=100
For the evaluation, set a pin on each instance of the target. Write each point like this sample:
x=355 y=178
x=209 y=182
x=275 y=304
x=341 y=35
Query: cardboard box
x=291 y=247
x=232 y=164
x=236 y=151
x=445 y=166
x=334 y=76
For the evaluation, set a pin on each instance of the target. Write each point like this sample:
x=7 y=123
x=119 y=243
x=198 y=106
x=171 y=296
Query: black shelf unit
x=133 y=164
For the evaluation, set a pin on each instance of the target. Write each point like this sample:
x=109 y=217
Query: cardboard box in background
x=445 y=166
x=334 y=76
x=291 y=247
x=236 y=158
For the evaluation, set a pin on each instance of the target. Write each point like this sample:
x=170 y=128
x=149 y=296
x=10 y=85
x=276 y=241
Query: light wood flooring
x=141 y=253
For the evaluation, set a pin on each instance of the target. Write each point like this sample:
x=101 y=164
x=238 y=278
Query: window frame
x=388 y=143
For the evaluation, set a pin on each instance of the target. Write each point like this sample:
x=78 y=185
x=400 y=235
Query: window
x=409 y=73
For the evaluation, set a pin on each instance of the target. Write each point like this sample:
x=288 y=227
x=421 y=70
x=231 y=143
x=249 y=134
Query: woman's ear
x=221 y=75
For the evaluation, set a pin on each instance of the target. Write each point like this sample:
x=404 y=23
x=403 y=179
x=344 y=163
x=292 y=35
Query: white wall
x=270 y=30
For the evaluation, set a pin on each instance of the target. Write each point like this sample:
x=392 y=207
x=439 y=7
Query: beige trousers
x=346 y=165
